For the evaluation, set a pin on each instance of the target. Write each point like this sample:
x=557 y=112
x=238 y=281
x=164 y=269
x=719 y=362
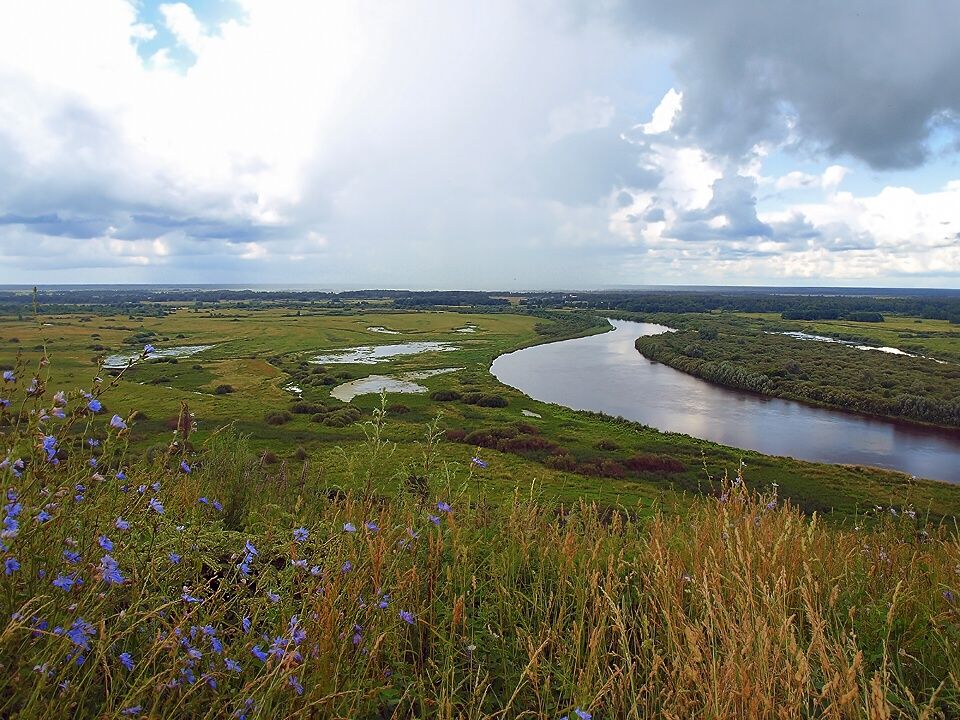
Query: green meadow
x=242 y=382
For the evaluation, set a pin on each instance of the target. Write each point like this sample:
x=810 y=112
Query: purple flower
x=478 y=462
x=147 y=349
x=105 y=542
x=156 y=506
x=434 y=519
x=66 y=582
x=295 y=684
x=273 y=596
x=184 y=467
x=217 y=506
x=50 y=446
x=188 y=598
x=121 y=475
x=93 y=442
x=111 y=571
x=71 y=557
x=43 y=516
x=126 y=660
x=121 y=524
x=174 y=558
x=347 y=567
x=444 y=507
x=8 y=376
x=132 y=710
x=11 y=565
x=232 y=665
x=371 y=526
x=251 y=550
x=384 y=602
x=80 y=633
x=4 y=403
x=582 y=714
x=94 y=406
x=259 y=654
x=117 y=422
x=245 y=624
x=58 y=413
x=300 y=534
x=349 y=527
x=407 y=617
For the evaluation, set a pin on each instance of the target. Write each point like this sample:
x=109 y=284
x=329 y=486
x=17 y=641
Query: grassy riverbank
x=747 y=353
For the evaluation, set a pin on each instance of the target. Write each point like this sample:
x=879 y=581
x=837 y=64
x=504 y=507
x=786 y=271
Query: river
x=605 y=373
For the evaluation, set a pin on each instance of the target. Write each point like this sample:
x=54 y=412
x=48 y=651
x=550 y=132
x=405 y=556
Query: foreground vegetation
x=205 y=583
x=749 y=353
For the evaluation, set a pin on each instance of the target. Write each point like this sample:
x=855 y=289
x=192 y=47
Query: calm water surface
x=605 y=373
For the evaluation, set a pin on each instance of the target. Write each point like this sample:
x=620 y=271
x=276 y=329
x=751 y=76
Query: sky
x=505 y=144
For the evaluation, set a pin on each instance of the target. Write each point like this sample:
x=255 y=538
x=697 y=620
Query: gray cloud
x=872 y=79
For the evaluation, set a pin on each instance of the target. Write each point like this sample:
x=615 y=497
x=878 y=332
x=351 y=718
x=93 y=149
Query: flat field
x=243 y=380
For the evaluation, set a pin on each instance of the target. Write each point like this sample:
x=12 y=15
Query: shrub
x=444 y=395
x=277 y=417
x=485 y=400
x=303 y=408
x=223 y=389
x=300 y=453
x=268 y=457
x=455 y=434
x=606 y=444
x=655 y=463
x=562 y=461
x=397 y=409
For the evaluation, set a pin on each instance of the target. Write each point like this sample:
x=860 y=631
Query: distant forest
x=826 y=304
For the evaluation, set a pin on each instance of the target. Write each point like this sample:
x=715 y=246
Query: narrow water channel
x=605 y=373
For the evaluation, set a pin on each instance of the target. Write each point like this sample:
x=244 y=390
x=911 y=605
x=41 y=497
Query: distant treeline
x=827 y=305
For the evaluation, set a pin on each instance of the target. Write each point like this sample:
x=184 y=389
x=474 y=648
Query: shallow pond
x=375 y=384
x=373 y=354
x=605 y=373
x=118 y=362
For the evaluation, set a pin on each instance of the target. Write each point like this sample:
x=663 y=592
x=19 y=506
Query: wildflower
x=66 y=582
x=259 y=654
x=132 y=710
x=948 y=596
x=384 y=602
x=478 y=462
x=444 y=507
x=121 y=475
x=43 y=516
x=58 y=413
x=184 y=467
x=71 y=557
x=273 y=596
x=80 y=633
x=156 y=506
x=407 y=617
x=8 y=376
x=94 y=406
x=349 y=527
x=251 y=550
x=11 y=565
x=203 y=501
x=232 y=665
x=302 y=564
x=347 y=567
x=315 y=570
x=245 y=623
x=295 y=684
x=147 y=349
x=188 y=598
x=141 y=489
x=60 y=398
x=117 y=422
x=301 y=534
x=50 y=446
x=371 y=526
x=217 y=506
x=121 y=524
x=126 y=660
x=111 y=571
x=4 y=403
x=105 y=542
x=93 y=442
x=434 y=519
x=174 y=558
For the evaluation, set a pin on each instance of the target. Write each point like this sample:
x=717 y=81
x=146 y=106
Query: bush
x=562 y=461
x=277 y=417
x=606 y=444
x=455 y=434
x=268 y=457
x=223 y=389
x=302 y=408
x=655 y=463
x=397 y=409
x=300 y=453
x=485 y=400
x=444 y=395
